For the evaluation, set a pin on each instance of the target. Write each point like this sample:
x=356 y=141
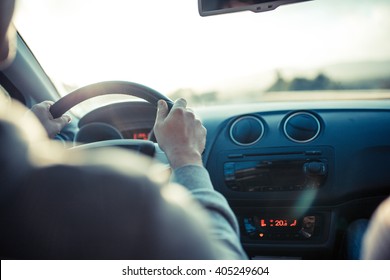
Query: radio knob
x=315 y=168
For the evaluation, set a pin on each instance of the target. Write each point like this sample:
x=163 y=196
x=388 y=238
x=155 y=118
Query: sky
x=167 y=45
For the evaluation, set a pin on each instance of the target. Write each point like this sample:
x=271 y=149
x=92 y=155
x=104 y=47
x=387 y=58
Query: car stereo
x=275 y=175
x=257 y=172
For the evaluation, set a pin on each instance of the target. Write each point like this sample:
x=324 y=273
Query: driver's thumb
x=63 y=120
x=162 y=110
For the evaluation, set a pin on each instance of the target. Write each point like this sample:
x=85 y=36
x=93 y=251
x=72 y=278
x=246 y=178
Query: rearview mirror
x=215 y=7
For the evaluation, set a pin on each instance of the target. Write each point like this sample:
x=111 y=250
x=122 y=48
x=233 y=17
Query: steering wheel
x=112 y=87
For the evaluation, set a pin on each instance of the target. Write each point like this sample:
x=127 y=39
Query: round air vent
x=302 y=127
x=246 y=130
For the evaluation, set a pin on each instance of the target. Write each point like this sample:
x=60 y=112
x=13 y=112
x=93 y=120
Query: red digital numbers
x=278 y=223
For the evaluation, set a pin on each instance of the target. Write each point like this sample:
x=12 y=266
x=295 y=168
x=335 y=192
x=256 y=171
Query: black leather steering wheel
x=111 y=87
x=103 y=88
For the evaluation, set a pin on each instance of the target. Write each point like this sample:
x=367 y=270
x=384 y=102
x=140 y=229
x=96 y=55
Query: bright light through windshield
x=317 y=45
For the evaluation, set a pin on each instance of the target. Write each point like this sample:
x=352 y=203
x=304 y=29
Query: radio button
x=315 y=168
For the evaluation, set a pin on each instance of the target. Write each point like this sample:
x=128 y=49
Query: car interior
x=295 y=97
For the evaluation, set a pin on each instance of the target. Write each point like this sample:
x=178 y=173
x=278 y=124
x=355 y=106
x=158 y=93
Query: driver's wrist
x=180 y=159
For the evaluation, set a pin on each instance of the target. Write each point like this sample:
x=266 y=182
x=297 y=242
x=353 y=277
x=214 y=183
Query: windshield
x=321 y=48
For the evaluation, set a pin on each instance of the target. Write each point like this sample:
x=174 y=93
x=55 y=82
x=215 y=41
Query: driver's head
x=7 y=33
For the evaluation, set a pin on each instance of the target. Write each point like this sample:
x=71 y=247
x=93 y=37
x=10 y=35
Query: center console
x=272 y=191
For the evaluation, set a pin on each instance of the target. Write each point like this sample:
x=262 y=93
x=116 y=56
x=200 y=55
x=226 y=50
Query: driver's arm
x=224 y=226
x=52 y=126
x=182 y=137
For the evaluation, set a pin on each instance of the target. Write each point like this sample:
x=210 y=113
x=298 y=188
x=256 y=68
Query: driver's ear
x=7 y=33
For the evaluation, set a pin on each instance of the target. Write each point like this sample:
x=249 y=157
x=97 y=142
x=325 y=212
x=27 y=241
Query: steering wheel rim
x=103 y=88
x=108 y=87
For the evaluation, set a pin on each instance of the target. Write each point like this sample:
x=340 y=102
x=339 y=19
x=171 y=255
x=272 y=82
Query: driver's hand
x=180 y=134
x=52 y=126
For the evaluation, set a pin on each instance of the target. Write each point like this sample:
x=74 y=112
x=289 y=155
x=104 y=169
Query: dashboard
x=126 y=120
x=296 y=174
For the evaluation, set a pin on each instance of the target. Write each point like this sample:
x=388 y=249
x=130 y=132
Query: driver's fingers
x=180 y=103
x=49 y=102
x=55 y=126
x=162 y=110
x=67 y=118
x=62 y=121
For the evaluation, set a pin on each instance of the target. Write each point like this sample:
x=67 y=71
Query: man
x=108 y=204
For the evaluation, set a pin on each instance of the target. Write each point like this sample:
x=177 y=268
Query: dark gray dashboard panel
x=359 y=164
x=354 y=141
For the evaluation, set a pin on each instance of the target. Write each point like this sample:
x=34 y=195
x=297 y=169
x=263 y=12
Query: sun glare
x=168 y=46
